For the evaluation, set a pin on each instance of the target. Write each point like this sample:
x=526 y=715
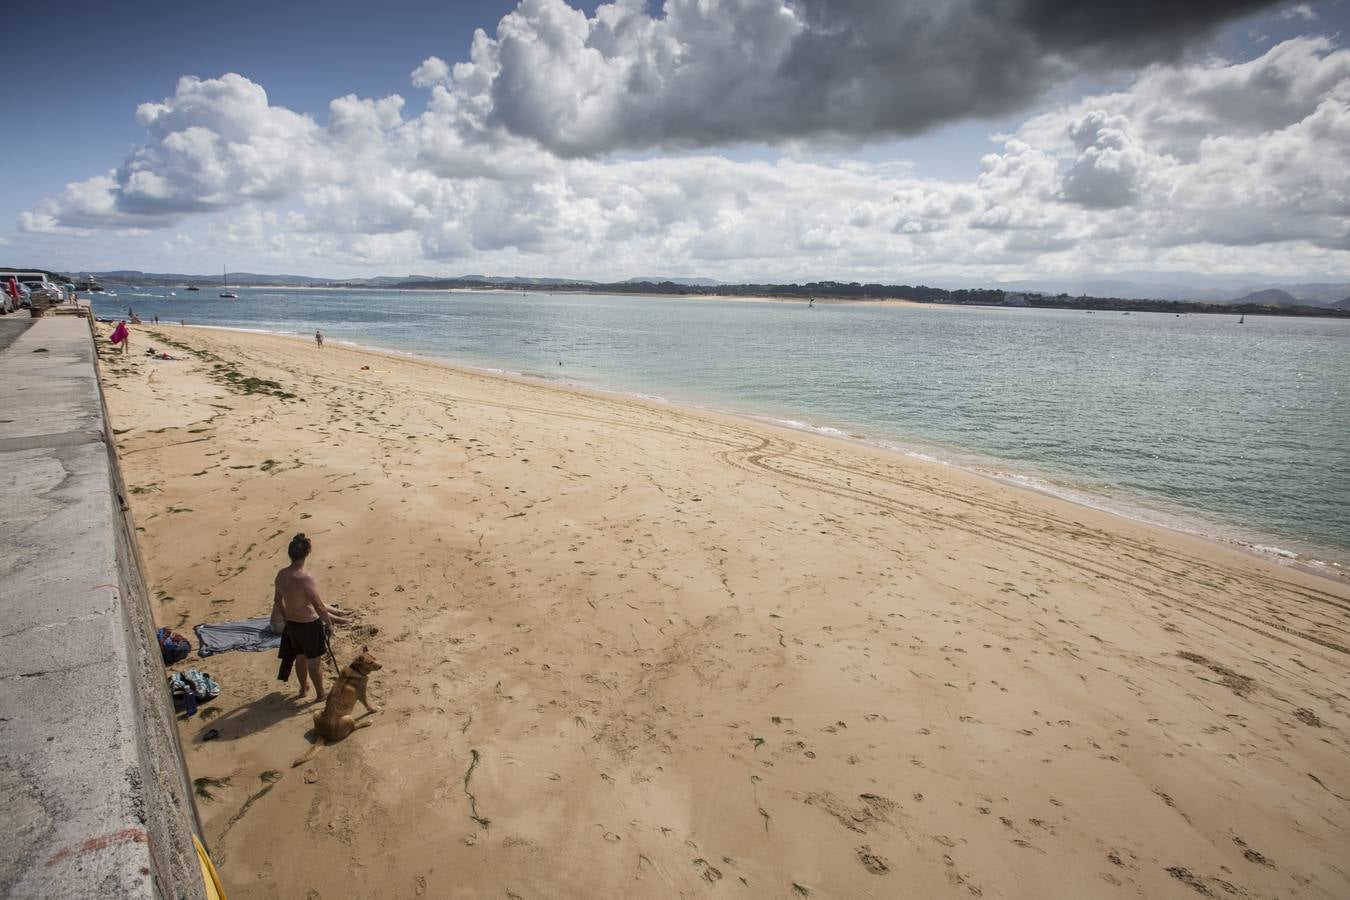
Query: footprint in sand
x=708 y=871
x=873 y=863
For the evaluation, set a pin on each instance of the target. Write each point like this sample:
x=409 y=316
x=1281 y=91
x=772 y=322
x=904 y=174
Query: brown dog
x=334 y=722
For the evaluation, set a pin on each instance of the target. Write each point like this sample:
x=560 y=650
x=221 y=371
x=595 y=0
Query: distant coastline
x=853 y=292
x=820 y=291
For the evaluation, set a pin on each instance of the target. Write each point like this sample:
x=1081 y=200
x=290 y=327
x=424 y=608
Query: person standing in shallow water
x=307 y=616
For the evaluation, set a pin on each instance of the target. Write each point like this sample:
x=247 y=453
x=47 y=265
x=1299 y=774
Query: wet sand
x=633 y=650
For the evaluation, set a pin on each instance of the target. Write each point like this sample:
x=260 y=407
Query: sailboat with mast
x=224 y=287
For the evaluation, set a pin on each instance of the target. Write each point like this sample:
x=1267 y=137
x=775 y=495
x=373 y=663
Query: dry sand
x=638 y=651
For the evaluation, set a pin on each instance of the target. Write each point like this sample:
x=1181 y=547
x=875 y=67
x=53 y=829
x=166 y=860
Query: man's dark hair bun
x=299 y=548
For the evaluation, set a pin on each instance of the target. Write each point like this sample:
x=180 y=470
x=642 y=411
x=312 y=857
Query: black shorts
x=305 y=638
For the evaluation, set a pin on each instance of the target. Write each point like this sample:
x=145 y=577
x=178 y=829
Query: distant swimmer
x=318 y=338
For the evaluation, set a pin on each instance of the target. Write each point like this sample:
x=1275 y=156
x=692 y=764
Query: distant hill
x=524 y=281
x=658 y=279
x=133 y=276
x=1269 y=297
x=1319 y=293
x=1326 y=298
x=1184 y=286
x=384 y=279
x=1187 y=286
x=243 y=279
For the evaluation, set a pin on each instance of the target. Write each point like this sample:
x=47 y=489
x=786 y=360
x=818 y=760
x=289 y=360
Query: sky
x=744 y=140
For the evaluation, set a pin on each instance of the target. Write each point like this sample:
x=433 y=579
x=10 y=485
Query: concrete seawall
x=97 y=800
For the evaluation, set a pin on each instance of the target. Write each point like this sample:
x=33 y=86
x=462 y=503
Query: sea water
x=1238 y=431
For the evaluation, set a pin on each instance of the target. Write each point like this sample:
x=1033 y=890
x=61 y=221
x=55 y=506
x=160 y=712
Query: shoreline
x=729 y=298
x=1201 y=307
x=637 y=649
x=1136 y=510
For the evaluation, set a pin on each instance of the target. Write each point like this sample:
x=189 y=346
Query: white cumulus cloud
x=1204 y=165
x=713 y=72
x=433 y=70
x=1109 y=165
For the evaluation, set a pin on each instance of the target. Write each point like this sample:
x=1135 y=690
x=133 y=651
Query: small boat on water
x=192 y=287
x=1242 y=318
x=224 y=284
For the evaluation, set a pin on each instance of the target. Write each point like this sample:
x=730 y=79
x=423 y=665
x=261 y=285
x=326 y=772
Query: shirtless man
x=297 y=596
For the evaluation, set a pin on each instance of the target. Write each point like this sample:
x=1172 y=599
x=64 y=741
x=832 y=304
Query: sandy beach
x=634 y=650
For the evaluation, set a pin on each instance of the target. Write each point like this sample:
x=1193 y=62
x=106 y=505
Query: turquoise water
x=1237 y=431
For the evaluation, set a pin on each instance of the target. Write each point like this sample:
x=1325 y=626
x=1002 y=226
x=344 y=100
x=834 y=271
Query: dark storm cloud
x=1139 y=31
x=728 y=71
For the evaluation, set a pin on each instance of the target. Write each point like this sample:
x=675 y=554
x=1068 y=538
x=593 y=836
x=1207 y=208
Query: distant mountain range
x=1227 y=289
x=1203 y=289
x=1271 y=297
x=657 y=279
x=133 y=276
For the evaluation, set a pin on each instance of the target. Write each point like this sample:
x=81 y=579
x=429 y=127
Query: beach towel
x=246 y=634
x=119 y=333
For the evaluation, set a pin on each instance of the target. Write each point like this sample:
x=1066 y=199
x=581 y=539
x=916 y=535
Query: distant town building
x=1013 y=298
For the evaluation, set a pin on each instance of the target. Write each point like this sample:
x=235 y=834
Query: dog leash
x=329 y=647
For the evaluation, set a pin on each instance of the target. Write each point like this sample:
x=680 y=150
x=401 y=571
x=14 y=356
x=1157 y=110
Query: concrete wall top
x=91 y=778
